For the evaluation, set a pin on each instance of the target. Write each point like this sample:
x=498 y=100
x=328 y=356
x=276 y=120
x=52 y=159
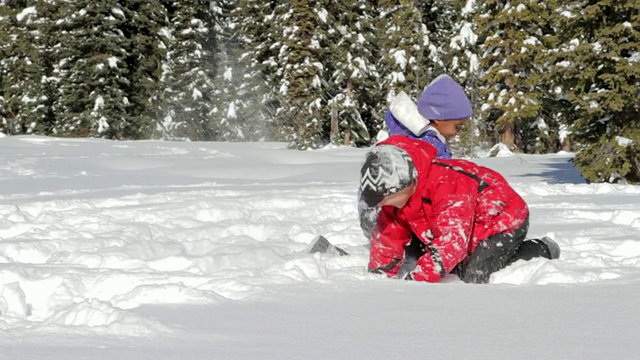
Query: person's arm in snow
x=446 y=245
x=387 y=243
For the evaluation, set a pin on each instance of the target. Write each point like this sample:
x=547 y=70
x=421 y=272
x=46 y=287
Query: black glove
x=412 y=252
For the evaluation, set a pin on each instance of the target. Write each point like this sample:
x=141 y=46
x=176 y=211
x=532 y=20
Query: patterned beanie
x=386 y=170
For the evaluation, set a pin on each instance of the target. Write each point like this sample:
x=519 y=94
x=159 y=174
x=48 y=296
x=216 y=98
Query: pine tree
x=598 y=71
x=110 y=70
x=302 y=72
x=462 y=60
x=38 y=25
x=227 y=81
x=146 y=19
x=5 y=40
x=402 y=39
x=262 y=51
x=453 y=50
x=45 y=114
x=351 y=71
x=442 y=21
x=514 y=37
x=239 y=91
x=94 y=70
x=188 y=99
x=20 y=70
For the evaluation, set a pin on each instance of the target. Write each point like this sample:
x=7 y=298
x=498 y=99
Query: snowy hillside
x=187 y=250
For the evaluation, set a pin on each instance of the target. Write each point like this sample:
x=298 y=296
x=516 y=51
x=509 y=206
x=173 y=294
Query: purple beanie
x=444 y=99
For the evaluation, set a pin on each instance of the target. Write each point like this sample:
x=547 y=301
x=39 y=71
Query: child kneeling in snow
x=427 y=217
x=443 y=107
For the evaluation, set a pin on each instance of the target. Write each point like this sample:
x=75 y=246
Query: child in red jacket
x=427 y=217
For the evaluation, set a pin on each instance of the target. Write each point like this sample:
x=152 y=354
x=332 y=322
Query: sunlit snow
x=31 y=10
x=193 y=250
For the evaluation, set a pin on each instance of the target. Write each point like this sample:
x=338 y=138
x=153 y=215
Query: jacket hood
x=421 y=152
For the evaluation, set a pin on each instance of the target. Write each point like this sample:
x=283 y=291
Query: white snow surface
x=193 y=250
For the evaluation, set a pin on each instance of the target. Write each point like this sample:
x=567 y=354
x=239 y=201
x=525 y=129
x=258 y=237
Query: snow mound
x=102 y=317
x=499 y=150
x=13 y=301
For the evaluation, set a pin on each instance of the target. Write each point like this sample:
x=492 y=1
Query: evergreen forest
x=543 y=75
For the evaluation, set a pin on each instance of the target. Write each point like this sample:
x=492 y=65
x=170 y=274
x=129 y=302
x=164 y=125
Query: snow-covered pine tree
x=187 y=103
x=261 y=34
x=145 y=19
x=5 y=41
x=453 y=50
x=351 y=70
x=36 y=25
x=239 y=91
x=597 y=69
x=462 y=49
x=228 y=99
x=547 y=132
x=514 y=39
x=47 y=95
x=301 y=59
x=8 y=38
x=94 y=70
x=402 y=40
x=21 y=73
x=440 y=18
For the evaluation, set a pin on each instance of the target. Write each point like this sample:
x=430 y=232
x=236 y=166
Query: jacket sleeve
x=447 y=243
x=387 y=243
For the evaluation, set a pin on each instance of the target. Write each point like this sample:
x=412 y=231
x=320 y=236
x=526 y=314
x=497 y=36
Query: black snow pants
x=491 y=255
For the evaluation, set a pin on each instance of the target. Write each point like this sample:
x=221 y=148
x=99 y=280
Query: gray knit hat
x=386 y=170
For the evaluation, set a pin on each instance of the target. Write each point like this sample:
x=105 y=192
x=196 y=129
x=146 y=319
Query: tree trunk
x=335 y=128
x=508 y=137
x=347 y=135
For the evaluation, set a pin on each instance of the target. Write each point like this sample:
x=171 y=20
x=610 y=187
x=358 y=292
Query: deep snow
x=192 y=250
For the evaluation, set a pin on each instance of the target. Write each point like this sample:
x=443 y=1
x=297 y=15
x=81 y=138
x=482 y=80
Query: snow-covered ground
x=190 y=250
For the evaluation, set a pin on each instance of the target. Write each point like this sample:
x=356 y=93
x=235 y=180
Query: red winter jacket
x=457 y=204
